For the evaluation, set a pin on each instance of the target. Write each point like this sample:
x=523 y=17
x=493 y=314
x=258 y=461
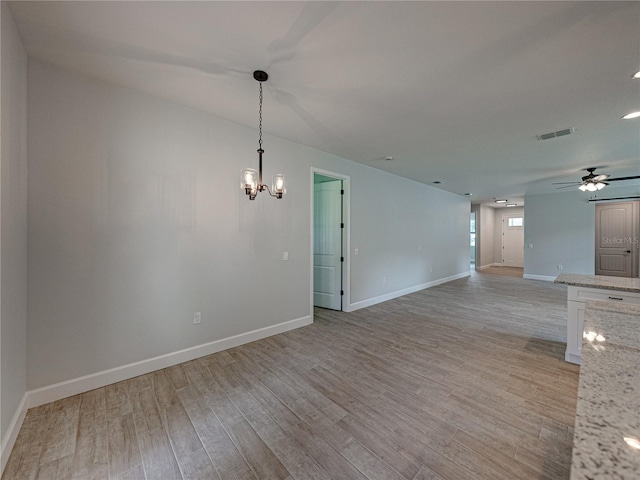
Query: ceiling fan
x=593 y=182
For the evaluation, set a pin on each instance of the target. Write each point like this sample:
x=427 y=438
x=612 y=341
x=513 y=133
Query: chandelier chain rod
x=260 y=117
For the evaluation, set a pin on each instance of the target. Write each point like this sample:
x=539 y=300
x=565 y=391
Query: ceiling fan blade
x=566 y=183
x=567 y=186
x=88 y=43
x=600 y=178
x=624 y=178
x=312 y=15
x=307 y=117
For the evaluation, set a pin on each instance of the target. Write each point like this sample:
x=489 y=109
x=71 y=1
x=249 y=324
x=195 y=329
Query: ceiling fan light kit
x=593 y=182
x=251 y=180
x=592 y=187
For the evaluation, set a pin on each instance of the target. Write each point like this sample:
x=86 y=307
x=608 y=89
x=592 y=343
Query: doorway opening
x=329 y=240
x=472 y=240
x=617 y=233
x=513 y=240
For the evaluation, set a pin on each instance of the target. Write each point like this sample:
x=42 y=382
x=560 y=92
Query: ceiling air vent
x=559 y=133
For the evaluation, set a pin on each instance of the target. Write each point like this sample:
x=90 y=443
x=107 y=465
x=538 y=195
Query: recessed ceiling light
x=511 y=205
x=632 y=442
x=636 y=75
x=437 y=182
x=389 y=158
x=501 y=201
x=468 y=194
x=631 y=115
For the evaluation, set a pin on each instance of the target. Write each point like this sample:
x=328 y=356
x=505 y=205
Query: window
x=516 y=222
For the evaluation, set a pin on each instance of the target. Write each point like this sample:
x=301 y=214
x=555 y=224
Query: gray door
x=615 y=234
x=327 y=245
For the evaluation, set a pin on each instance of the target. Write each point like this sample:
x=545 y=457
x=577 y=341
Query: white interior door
x=513 y=240
x=615 y=249
x=327 y=245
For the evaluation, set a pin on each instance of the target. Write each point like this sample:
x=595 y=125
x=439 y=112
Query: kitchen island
x=606 y=442
x=583 y=288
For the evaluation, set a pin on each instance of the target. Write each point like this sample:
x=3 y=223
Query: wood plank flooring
x=461 y=381
x=506 y=271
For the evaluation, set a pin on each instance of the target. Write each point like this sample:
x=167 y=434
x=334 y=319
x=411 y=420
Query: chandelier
x=251 y=181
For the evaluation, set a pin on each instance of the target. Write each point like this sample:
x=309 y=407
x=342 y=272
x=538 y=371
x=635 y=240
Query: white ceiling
x=454 y=91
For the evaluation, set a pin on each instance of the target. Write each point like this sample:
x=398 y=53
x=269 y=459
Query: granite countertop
x=608 y=410
x=599 y=281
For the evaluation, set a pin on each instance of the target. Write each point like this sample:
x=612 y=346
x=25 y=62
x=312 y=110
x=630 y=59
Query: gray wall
x=136 y=220
x=13 y=221
x=561 y=227
x=485 y=235
x=391 y=218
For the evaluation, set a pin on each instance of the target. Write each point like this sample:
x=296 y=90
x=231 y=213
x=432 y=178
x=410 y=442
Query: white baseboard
x=539 y=277
x=572 y=358
x=9 y=440
x=61 y=390
x=390 y=296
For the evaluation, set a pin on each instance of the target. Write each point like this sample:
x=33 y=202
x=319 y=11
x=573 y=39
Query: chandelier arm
x=274 y=195
x=269 y=190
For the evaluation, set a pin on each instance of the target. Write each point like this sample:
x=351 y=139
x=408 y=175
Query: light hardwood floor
x=461 y=381
x=506 y=271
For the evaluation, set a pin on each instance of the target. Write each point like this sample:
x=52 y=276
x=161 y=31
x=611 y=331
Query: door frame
x=506 y=215
x=346 y=236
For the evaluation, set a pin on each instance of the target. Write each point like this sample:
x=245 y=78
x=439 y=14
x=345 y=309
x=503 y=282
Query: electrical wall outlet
x=356 y=252
x=559 y=267
x=384 y=279
x=197 y=318
x=285 y=256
